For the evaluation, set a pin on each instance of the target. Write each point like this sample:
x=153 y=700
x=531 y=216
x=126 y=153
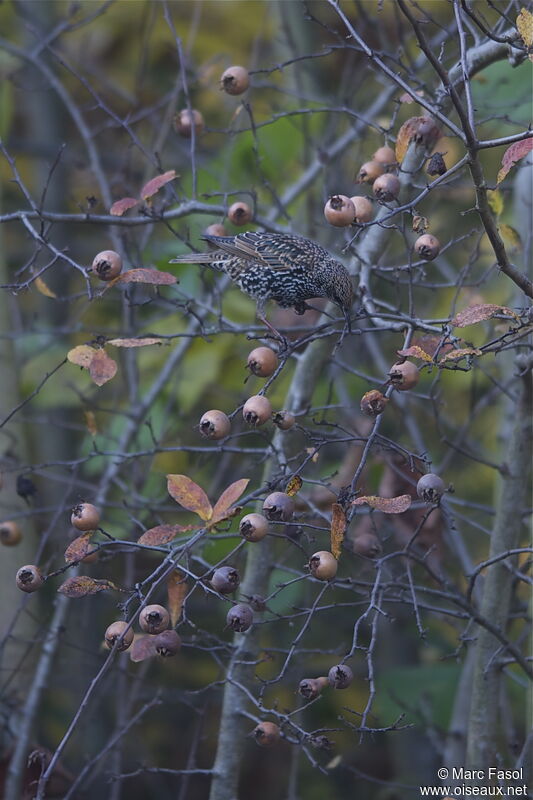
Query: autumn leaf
x=143 y=342
x=227 y=499
x=513 y=154
x=157 y=183
x=480 y=313
x=81 y=355
x=415 y=352
x=524 y=24
x=495 y=199
x=294 y=485
x=155 y=277
x=143 y=647
x=102 y=368
x=90 y=421
x=420 y=224
x=163 y=534
x=511 y=237
x=455 y=355
x=121 y=206
x=176 y=591
x=78 y=548
x=83 y=585
x=388 y=505
x=189 y=495
x=43 y=288
x=338 y=528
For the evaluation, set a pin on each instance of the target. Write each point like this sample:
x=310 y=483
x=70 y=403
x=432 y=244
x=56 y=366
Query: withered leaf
x=154 y=185
x=227 y=499
x=163 y=534
x=388 y=505
x=294 y=485
x=90 y=421
x=495 y=200
x=524 y=24
x=338 y=528
x=102 y=367
x=455 y=355
x=189 y=495
x=121 y=206
x=511 y=237
x=143 y=342
x=78 y=548
x=405 y=134
x=479 y=313
x=143 y=647
x=420 y=224
x=513 y=154
x=82 y=355
x=43 y=288
x=176 y=591
x=82 y=585
x=155 y=277
x=415 y=352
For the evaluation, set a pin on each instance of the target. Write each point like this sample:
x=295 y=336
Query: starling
x=25 y=488
x=282 y=267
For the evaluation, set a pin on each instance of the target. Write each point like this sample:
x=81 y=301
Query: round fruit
x=184 y=121
x=311 y=687
x=167 y=643
x=427 y=247
x=258 y=603
x=240 y=213
x=262 y=362
x=369 y=172
x=427 y=132
x=404 y=376
x=115 y=631
x=323 y=565
x=339 y=211
x=364 y=210
x=225 y=580
x=107 y=265
x=368 y=545
x=284 y=420
x=253 y=527
x=257 y=410
x=386 y=188
x=430 y=488
x=278 y=507
x=85 y=517
x=385 y=156
x=215 y=425
x=10 y=533
x=29 y=578
x=240 y=618
x=340 y=676
x=235 y=80
x=373 y=403
x=154 y=619
x=216 y=229
x=266 y=734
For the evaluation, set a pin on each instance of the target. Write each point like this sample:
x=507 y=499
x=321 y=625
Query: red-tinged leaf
x=388 y=505
x=338 y=528
x=405 y=134
x=455 y=355
x=82 y=586
x=78 y=548
x=294 y=486
x=176 y=591
x=163 y=534
x=513 y=154
x=147 y=340
x=153 y=186
x=415 y=352
x=102 y=368
x=480 y=313
x=81 y=355
x=143 y=647
x=227 y=499
x=189 y=495
x=121 y=206
x=146 y=275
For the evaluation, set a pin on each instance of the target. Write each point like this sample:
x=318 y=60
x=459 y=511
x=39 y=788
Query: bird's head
x=341 y=290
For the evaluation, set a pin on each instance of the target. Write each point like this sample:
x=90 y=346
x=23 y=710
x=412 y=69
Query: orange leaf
x=81 y=355
x=294 y=485
x=338 y=528
x=153 y=186
x=142 y=648
x=479 y=313
x=513 y=154
x=163 y=534
x=189 y=495
x=228 y=498
x=146 y=275
x=121 y=206
x=78 y=548
x=102 y=368
x=83 y=585
x=415 y=352
x=90 y=421
x=176 y=591
x=135 y=342
x=455 y=355
x=405 y=134
x=388 y=505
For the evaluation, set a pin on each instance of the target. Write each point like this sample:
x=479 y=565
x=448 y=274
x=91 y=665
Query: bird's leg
x=283 y=343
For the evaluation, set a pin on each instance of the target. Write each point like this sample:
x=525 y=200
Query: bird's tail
x=195 y=258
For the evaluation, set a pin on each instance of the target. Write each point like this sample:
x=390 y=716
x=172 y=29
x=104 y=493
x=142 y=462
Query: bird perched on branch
x=282 y=267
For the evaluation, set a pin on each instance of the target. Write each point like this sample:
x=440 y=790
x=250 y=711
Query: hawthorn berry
x=257 y=410
x=266 y=734
x=29 y=578
x=235 y=80
x=404 y=376
x=240 y=213
x=185 y=120
x=339 y=211
x=364 y=210
x=284 y=420
x=430 y=488
x=323 y=565
x=115 y=631
x=386 y=188
x=373 y=403
x=253 y=527
x=215 y=424
x=10 y=533
x=107 y=265
x=225 y=580
x=216 y=229
x=340 y=676
x=85 y=517
x=240 y=617
x=262 y=361
x=154 y=619
x=167 y=643
x=386 y=156
x=278 y=507
x=369 y=172
x=427 y=247
x=312 y=687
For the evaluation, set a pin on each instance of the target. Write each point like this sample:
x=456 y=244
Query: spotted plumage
x=283 y=267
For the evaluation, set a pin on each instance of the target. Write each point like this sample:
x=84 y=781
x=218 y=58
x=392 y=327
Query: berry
x=430 y=488
x=235 y=80
x=369 y=172
x=323 y=565
x=29 y=578
x=257 y=410
x=257 y=602
x=10 y=533
x=311 y=687
x=367 y=544
x=240 y=213
x=427 y=247
x=437 y=164
x=364 y=210
x=216 y=229
x=386 y=188
x=167 y=643
x=427 y=132
x=215 y=425
x=373 y=403
x=340 y=676
x=107 y=265
x=154 y=619
x=253 y=527
x=262 y=362
x=339 y=211
x=284 y=420
x=85 y=517
x=240 y=617
x=278 y=507
x=385 y=156
x=184 y=121
x=266 y=734
x=225 y=580
x=115 y=631
x=404 y=376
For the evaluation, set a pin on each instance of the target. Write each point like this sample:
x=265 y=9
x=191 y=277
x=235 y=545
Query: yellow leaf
x=176 y=591
x=41 y=287
x=511 y=237
x=495 y=199
x=338 y=528
x=524 y=24
x=294 y=485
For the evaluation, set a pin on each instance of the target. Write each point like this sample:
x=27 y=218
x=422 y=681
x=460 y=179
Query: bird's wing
x=273 y=250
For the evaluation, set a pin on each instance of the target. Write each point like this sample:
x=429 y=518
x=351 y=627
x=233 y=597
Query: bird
x=25 y=488
x=283 y=267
